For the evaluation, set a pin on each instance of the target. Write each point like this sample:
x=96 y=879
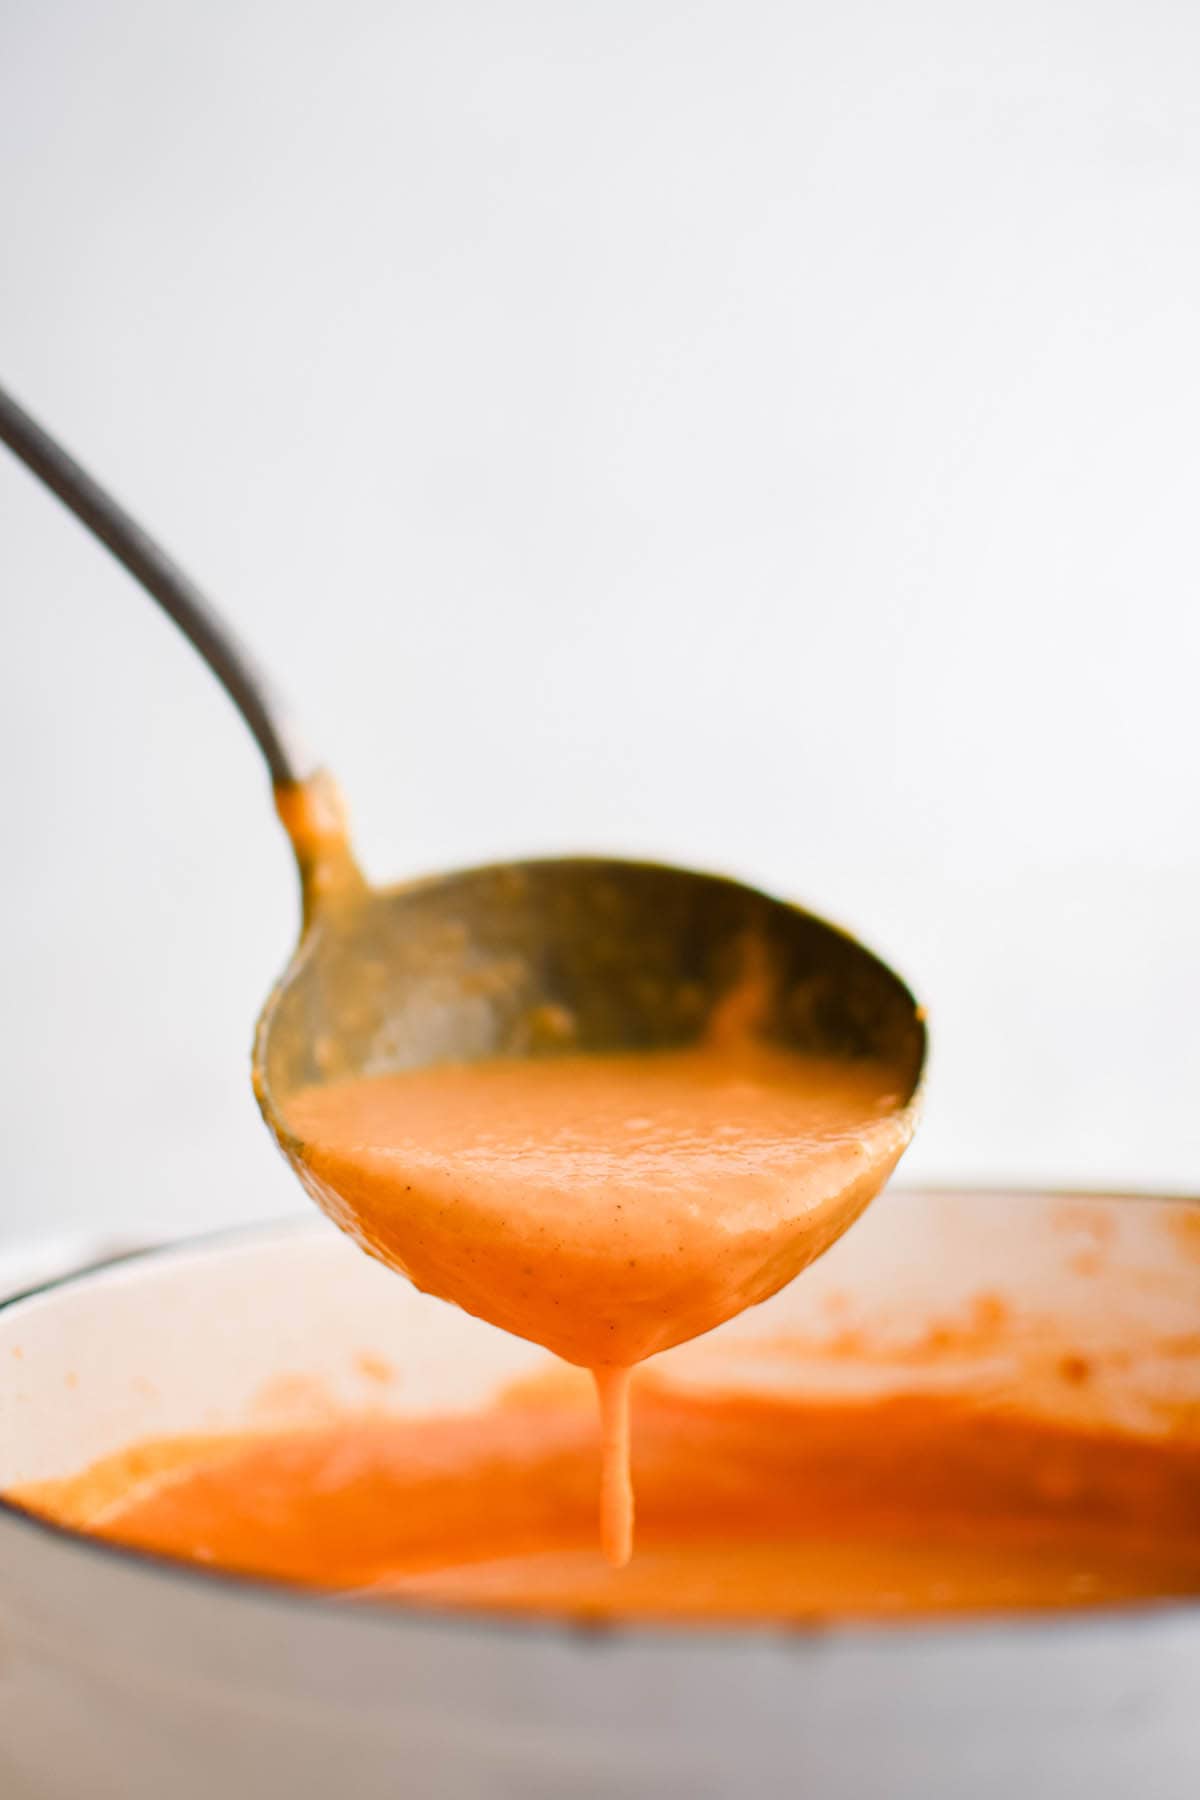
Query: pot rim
x=400 y=1615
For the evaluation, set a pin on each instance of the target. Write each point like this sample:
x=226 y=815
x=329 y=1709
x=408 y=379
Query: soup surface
x=750 y=1508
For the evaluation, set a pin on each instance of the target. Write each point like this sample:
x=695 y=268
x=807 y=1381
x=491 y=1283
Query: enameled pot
x=123 y=1677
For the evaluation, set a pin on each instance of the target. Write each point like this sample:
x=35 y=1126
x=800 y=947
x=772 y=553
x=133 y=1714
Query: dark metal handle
x=179 y=597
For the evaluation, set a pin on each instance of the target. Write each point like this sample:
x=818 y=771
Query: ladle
x=517 y=960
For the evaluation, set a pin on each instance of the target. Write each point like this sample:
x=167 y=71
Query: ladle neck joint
x=314 y=816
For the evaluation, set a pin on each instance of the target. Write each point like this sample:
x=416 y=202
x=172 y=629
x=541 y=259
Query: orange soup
x=604 y=1206
x=750 y=1508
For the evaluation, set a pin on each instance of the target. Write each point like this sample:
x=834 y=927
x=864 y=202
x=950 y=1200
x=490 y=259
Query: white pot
x=127 y=1678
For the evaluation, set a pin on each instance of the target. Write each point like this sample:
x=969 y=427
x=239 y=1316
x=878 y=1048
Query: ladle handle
x=179 y=597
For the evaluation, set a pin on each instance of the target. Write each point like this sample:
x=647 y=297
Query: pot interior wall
x=1003 y=1292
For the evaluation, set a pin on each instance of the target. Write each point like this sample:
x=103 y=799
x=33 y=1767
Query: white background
x=766 y=436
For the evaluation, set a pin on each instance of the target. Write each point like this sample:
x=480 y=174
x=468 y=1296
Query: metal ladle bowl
x=524 y=959
x=542 y=958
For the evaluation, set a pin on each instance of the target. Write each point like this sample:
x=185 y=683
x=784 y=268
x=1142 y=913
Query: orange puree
x=604 y=1206
x=750 y=1508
